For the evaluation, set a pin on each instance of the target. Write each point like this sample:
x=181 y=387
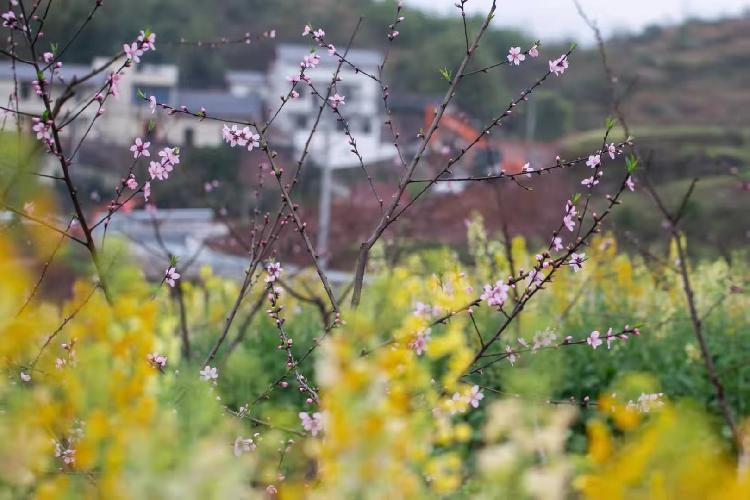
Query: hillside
x=688 y=75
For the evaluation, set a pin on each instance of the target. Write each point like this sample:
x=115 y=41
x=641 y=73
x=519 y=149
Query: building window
x=161 y=94
x=349 y=91
x=301 y=121
x=25 y=90
x=189 y=139
x=366 y=126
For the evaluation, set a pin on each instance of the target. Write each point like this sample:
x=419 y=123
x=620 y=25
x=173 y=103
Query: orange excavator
x=456 y=133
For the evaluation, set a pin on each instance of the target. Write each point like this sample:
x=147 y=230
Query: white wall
x=330 y=145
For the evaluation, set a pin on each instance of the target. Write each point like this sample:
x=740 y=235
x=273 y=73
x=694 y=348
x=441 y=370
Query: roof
x=359 y=57
x=172 y=214
x=220 y=102
x=26 y=73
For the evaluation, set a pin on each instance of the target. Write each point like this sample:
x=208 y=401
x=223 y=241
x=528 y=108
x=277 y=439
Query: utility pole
x=324 y=203
x=531 y=120
x=530 y=131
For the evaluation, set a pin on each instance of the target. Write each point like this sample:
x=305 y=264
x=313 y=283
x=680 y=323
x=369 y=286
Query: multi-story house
x=362 y=111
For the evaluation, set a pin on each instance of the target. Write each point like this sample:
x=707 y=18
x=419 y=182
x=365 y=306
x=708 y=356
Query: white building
x=363 y=109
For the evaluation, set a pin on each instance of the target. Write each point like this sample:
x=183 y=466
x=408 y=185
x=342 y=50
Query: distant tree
x=554 y=116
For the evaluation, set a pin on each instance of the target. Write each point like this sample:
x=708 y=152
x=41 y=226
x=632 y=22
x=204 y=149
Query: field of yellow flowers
x=105 y=400
x=112 y=400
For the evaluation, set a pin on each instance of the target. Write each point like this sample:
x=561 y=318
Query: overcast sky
x=555 y=19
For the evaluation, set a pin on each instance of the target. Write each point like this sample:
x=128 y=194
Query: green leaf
x=610 y=123
x=446 y=74
x=631 y=162
x=151 y=125
x=576 y=197
x=141 y=94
